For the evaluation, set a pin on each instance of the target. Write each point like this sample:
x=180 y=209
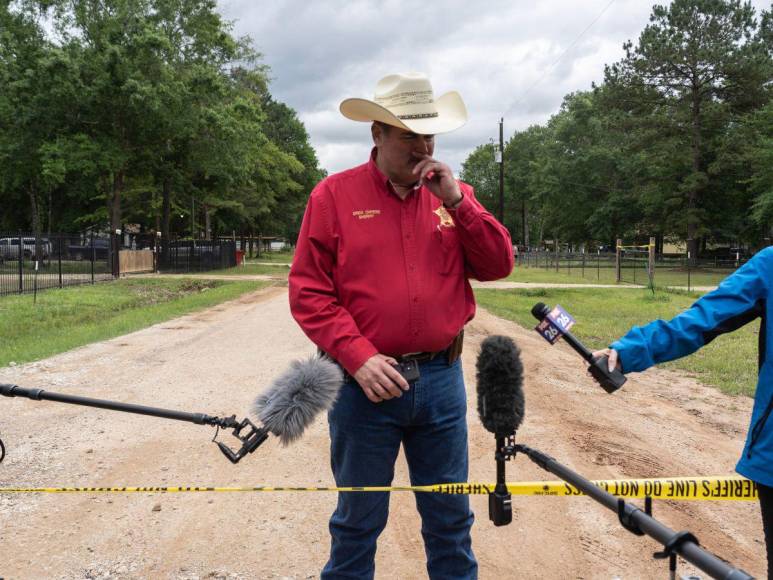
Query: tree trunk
x=525 y=214
x=33 y=193
x=157 y=216
x=207 y=223
x=166 y=207
x=50 y=212
x=115 y=202
x=692 y=195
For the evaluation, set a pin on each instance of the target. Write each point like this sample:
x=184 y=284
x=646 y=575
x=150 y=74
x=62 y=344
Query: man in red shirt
x=380 y=276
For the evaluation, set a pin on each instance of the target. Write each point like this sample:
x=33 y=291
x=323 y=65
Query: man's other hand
x=379 y=380
x=614 y=359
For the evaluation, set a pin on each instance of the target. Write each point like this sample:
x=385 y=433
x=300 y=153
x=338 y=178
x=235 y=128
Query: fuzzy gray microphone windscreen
x=297 y=396
x=500 y=386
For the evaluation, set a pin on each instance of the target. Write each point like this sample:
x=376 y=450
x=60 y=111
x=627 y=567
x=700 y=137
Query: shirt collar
x=381 y=179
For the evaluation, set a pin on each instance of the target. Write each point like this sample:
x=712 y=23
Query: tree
x=522 y=154
x=288 y=133
x=137 y=110
x=482 y=172
x=698 y=67
x=37 y=83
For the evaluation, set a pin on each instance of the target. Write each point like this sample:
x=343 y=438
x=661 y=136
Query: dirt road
x=661 y=424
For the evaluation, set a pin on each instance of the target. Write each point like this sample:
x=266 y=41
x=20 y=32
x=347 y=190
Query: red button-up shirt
x=376 y=274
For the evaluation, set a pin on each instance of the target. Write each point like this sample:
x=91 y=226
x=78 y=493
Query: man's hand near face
x=438 y=178
x=379 y=380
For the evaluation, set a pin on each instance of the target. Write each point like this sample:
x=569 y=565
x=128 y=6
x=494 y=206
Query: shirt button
x=415 y=298
x=415 y=333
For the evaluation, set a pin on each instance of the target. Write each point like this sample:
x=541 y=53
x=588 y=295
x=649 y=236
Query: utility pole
x=501 y=171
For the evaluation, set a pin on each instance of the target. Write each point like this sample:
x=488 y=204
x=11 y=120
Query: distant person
x=742 y=297
x=380 y=276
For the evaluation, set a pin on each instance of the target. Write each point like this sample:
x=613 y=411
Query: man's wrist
x=456 y=203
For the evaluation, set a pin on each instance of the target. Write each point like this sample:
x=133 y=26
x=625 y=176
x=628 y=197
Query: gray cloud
x=500 y=56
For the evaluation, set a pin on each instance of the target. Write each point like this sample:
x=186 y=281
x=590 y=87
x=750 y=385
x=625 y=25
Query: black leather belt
x=451 y=354
x=419 y=357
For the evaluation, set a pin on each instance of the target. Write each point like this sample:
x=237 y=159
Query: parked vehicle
x=101 y=250
x=9 y=248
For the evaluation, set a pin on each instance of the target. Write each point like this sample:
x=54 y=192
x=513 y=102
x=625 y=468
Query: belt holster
x=454 y=350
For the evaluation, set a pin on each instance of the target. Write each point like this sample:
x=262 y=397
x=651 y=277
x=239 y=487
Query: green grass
x=71 y=317
x=279 y=271
x=574 y=274
x=51 y=268
x=283 y=257
x=550 y=276
x=728 y=363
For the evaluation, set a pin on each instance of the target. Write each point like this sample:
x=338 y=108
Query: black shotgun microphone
x=501 y=408
x=297 y=396
x=500 y=386
x=610 y=381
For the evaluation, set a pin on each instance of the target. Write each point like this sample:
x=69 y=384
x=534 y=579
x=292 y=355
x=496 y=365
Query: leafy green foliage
x=674 y=144
x=143 y=111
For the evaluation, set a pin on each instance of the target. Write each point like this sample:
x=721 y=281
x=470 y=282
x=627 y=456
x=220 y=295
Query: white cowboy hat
x=407 y=101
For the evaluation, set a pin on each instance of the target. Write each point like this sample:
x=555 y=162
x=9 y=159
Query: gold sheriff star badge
x=446 y=221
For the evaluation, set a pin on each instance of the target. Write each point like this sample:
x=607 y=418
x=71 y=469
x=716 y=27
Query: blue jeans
x=430 y=421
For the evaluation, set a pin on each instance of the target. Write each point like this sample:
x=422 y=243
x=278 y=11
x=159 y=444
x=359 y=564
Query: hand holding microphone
x=555 y=324
x=612 y=356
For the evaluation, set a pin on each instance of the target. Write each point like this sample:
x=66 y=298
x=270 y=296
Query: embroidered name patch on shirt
x=366 y=214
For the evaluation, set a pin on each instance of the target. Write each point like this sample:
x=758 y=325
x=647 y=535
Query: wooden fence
x=134 y=261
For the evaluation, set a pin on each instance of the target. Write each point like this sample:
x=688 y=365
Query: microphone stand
x=245 y=431
x=641 y=522
x=500 y=506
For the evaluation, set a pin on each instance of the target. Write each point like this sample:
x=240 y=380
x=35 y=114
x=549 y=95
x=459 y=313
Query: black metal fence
x=195 y=255
x=598 y=267
x=670 y=270
x=29 y=264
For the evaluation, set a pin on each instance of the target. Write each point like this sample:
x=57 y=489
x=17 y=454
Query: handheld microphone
x=610 y=381
x=297 y=396
x=501 y=409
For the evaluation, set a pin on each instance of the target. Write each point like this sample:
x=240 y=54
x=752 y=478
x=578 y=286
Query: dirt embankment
x=661 y=424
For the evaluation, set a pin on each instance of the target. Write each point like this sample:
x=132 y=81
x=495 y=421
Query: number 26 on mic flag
x=555 y=324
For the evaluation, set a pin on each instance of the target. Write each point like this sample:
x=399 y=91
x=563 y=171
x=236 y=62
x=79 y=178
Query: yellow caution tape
x=675 y=488
x=628 y=247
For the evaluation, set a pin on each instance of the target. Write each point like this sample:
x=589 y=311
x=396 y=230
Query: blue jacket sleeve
x=739 y=299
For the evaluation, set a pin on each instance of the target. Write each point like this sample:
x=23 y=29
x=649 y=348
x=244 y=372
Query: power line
x=552 y=66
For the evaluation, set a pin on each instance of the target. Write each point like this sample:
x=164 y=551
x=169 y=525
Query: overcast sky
x=503 y=56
